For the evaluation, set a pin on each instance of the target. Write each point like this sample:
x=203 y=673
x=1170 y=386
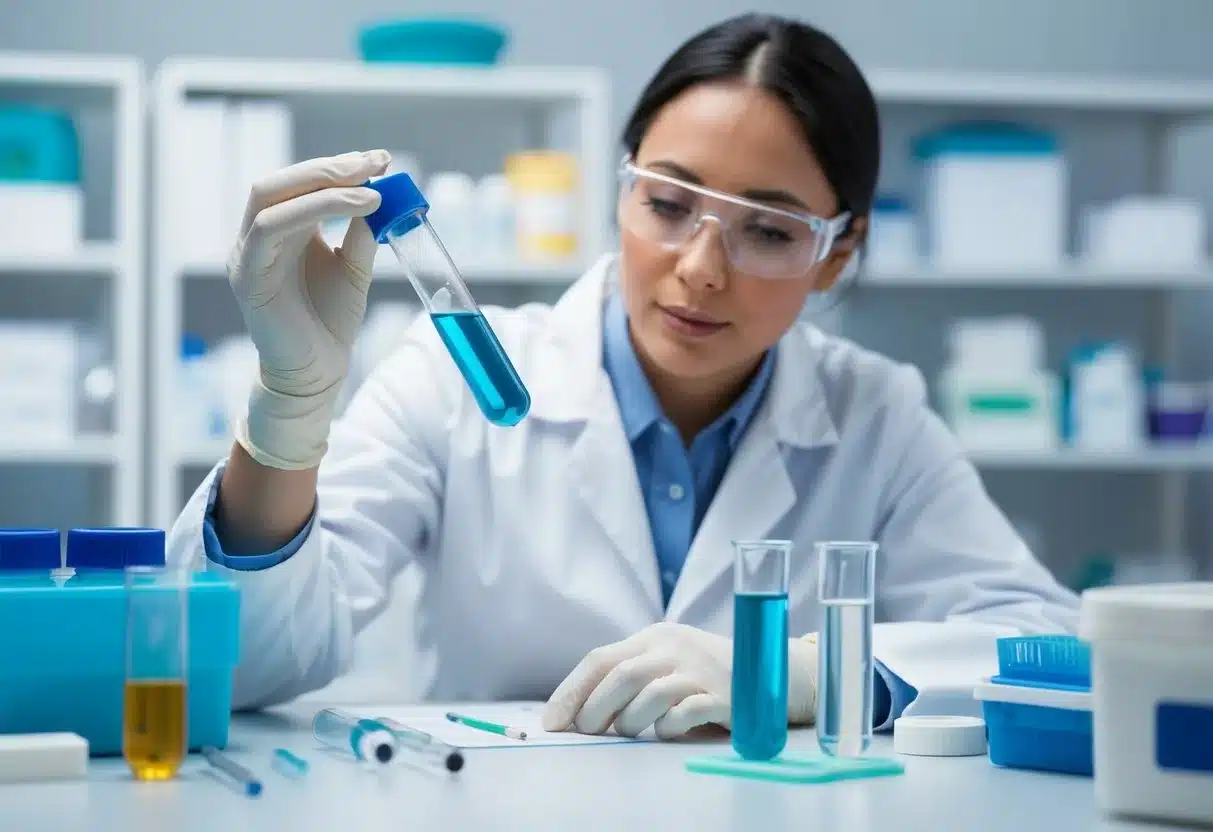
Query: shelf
x=1057 y=91
x=1194 y=456
x=345 y=78
x=204 y=454
x=1071 y=276
x=506 y=272
x=91 y=260
x=80 y=451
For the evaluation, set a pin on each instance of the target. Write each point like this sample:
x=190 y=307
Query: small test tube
x=288 y=764
x=845 y=672
x=367 y=739
x=238 y=774
x=760 y=648
x=402 y=222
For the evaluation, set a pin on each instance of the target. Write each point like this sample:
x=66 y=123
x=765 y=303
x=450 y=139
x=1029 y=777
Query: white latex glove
x=669 y=676
x=302 y=301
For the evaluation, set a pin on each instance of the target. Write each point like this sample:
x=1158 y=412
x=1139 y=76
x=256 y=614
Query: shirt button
x=676 y=492
x=669 y=577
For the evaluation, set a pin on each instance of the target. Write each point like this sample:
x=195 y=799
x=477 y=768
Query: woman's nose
x=703 y=262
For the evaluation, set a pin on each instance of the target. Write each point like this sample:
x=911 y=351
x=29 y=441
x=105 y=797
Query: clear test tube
x=846 y=592
x=367 y=739
x=760 y=648
x=402 y=222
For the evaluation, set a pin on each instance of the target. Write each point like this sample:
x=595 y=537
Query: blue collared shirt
x=677 y=482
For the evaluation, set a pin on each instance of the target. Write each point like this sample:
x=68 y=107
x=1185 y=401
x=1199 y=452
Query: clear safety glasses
x=760 y=240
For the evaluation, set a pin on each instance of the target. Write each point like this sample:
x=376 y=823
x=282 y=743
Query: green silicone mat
x=793 y=769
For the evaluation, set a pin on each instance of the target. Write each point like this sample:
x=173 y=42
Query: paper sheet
x=527 y=717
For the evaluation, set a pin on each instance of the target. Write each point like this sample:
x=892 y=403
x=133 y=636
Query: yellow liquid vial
x=154 y=728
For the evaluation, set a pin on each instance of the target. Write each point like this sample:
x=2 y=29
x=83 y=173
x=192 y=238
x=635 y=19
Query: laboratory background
x=1040 y=248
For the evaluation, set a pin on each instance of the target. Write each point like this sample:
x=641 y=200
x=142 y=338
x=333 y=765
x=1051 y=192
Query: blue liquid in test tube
x=402 y=222
x=760 y=648
x=845 y=681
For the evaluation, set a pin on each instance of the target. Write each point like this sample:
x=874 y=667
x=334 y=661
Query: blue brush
x=1044 y=661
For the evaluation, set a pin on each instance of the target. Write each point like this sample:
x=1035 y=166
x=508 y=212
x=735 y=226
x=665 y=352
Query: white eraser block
x=26 y=757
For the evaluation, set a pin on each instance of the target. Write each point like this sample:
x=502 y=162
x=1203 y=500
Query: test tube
x=368 y=739
x=760 y=647
x=846 y=591
x=402 y=222
x=154 y=724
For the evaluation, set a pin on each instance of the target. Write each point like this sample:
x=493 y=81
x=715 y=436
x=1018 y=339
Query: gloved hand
x=669 y=676
x=302 y=301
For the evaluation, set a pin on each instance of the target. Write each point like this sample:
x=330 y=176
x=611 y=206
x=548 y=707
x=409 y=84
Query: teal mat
x=793 y=769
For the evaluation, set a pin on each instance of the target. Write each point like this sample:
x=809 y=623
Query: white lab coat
x=533 y=543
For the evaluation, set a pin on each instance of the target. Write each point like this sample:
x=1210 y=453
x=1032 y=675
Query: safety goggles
x=760 y=240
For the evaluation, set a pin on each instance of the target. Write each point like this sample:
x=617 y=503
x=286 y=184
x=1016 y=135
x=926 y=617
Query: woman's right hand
x=302 y=301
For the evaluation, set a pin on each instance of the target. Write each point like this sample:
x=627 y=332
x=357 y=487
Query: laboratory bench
x=586 y=788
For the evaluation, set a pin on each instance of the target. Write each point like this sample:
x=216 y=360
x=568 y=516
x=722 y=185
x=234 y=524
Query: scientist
x=583 y=556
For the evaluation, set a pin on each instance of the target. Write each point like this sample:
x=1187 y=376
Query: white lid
x=939 y=736
x=1180 y=612
x=1070 y=700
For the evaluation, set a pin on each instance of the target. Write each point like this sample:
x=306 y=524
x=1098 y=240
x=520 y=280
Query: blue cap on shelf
x=29 y=549
x=115 y=548
x=192 y=346
x=401 y=208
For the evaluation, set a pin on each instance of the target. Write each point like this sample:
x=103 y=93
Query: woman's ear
x=843 y=259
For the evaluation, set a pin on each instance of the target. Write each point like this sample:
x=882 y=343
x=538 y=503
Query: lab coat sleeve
x=953 y=575
x=378 y=503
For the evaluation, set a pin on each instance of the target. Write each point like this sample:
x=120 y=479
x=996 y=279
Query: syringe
x=367 y=739
x=429 y=747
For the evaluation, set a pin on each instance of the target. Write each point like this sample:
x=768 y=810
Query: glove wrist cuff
x=287 y=432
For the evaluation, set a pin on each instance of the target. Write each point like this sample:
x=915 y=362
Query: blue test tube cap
x=115 y=548
x=29 y=549
x=401 y=208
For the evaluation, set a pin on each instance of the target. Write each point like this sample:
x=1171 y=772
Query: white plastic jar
x=1152 y=697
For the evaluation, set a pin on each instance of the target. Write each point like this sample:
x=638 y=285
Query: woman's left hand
x=668 y=676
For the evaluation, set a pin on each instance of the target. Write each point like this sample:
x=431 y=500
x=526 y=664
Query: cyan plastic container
x=62 y=660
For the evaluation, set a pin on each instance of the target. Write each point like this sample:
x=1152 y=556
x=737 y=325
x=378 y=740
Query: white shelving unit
x=115 y=85
x=354 y=92
x=1158 y=106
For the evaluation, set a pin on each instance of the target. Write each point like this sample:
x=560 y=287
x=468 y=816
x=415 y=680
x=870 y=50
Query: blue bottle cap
x=401 y=208
x=115 y=548
x=29 y=549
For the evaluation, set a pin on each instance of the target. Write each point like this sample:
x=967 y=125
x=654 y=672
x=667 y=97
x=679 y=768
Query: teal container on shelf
x=38 y=145
x=63 y=657
x=438 y=40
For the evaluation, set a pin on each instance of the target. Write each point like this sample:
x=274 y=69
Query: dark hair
x=806 y=69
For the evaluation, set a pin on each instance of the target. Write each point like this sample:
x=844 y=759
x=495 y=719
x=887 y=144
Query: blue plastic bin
x=1038 y=708
x=62 y=661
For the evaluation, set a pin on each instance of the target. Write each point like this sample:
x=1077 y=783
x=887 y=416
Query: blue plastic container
x=1038 y=708
x=38 y=145
x=62 y=664
x=433 y=41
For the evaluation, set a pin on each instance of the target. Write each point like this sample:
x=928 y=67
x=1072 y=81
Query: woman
x=583 y=556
